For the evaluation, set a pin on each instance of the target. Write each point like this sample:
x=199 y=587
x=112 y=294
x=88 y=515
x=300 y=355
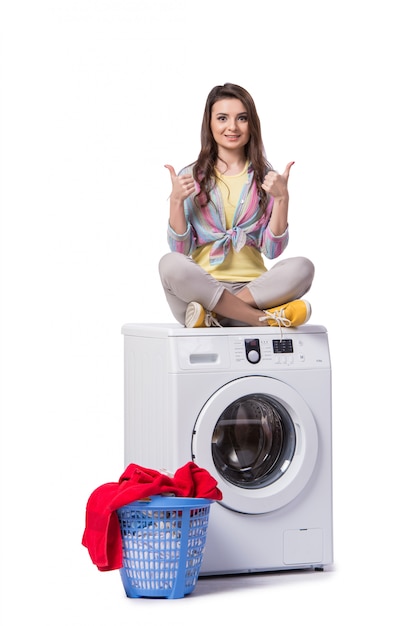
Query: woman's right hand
x=183 y=186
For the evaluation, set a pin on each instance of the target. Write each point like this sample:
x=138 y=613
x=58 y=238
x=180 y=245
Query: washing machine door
x=257 y=436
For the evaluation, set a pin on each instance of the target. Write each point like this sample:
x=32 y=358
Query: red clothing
x=102 y=535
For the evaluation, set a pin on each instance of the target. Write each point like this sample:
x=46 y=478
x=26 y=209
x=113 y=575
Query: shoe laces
x=277 y=316
x=210 y=320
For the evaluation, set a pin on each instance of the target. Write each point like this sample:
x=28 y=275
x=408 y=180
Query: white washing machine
x=253 y=407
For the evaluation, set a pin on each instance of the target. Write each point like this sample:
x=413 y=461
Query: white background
x=96 y=97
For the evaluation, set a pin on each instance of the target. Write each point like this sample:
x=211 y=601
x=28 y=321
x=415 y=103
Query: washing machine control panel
x=260 y=351
x=267 y=350
x=279 y=346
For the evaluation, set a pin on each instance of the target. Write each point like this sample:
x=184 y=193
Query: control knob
x=253 y=356
x=252 y=350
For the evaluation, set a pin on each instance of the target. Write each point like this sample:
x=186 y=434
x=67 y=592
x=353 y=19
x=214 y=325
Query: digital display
x=282 y=346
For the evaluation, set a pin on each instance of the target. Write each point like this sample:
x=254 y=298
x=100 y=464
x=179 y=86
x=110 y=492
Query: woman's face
x=229 y=124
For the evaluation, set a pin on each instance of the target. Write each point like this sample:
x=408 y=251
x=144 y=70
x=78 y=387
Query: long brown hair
x=204 y=167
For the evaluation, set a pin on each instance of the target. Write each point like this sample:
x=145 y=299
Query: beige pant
x=185 y=281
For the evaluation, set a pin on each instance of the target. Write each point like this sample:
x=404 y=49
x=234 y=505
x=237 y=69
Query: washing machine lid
x=258 y=437
x=176 y=330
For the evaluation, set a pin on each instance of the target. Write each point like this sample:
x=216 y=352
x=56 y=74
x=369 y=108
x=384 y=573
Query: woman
x=227 y=209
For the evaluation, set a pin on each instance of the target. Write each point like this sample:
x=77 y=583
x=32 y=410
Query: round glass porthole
x=253 y=441
x=258 y=437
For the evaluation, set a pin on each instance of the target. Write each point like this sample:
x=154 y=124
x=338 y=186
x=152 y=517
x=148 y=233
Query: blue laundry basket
x=163 y=541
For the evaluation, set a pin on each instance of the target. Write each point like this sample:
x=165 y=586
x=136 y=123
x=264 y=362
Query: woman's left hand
x=276 y=184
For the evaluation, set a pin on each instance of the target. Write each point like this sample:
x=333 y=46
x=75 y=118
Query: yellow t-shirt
x=241 y=266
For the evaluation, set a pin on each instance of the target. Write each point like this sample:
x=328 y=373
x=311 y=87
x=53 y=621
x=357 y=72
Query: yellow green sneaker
x=293 y=313
x=197 y=317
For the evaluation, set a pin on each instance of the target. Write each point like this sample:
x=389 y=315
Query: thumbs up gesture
x=276 y=184
x=183 y=186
